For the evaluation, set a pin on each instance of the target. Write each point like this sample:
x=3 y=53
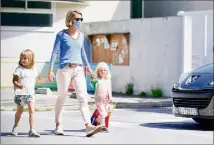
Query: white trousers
x=64 y=77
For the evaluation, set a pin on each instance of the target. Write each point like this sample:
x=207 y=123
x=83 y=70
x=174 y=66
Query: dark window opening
x=136 y=8
x=26 y=19
x=38 y=5
x=12 y=3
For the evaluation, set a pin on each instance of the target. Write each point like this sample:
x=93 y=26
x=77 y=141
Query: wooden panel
x=110 y=48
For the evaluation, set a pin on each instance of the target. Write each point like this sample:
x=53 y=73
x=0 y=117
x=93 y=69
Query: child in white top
x=24 y=80
x=103 y=91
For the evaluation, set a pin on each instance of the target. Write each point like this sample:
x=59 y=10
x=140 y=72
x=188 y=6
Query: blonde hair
x=70 y=15
x=30 y=55
x=103 y=65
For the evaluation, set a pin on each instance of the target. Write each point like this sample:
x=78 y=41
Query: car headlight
x=211 y=83
x=183 y=76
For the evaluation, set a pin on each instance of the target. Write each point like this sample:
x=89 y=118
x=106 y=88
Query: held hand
x=21 y=86
x=88 y=69
x=51 y=76
x=90 y=72
x=92 y=76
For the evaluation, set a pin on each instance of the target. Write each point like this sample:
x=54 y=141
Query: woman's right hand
x=51 y=75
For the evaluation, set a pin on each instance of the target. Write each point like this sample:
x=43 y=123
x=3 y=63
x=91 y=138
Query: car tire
x=204 y=122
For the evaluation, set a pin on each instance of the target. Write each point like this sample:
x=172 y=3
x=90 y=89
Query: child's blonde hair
x=30 y=55
x=103 y=65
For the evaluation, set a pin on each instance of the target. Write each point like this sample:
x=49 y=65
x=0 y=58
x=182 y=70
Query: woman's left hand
x=90 y=72
x=91 y=76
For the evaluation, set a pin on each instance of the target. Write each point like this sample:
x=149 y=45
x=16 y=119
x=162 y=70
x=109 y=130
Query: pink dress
x=103 y=95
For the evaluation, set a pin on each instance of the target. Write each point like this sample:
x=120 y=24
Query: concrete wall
x=155 y=52
x=170 y=8
x=197 y=39
x=202 y=40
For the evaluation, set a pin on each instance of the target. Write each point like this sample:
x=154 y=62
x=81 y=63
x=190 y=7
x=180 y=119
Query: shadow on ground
x=184 y=125
x=162 y=110
x=78 y=130
x=67 y=132
x=22 y=134
x=47 y=132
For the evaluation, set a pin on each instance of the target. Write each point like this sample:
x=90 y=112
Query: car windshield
x=204 y=69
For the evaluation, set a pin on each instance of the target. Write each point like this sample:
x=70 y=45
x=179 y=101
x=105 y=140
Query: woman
x=69 y=48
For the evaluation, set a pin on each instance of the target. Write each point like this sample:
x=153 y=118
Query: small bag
x=94 y=117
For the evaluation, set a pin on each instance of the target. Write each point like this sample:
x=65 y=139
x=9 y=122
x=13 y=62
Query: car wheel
x=205 y=122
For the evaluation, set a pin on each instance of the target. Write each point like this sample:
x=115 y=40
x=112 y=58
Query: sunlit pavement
x=145 y=126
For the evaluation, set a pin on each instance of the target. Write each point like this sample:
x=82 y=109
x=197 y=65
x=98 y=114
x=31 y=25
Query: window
x=26 y=13
x=136 y=8
x=34 y=20
x=41 y=5
x=12 y=4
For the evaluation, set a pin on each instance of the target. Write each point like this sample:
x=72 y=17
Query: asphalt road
x=142 y=126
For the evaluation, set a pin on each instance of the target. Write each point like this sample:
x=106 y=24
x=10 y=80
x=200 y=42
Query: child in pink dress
x=103 y=91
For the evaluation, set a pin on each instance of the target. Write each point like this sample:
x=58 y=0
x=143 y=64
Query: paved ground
x=127 y=126
x=47 y=102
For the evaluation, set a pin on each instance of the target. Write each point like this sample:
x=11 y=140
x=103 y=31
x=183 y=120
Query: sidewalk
x=47 y=102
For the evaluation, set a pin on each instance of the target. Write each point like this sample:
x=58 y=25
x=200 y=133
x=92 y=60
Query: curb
x=119 y=105
x=144 y=105
x=36 y=110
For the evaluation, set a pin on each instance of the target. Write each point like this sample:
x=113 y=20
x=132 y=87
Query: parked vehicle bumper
x=204 y=110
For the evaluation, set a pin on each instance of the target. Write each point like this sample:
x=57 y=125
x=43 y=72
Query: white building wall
x=156 y=45
x=95 y=11
x=107 y=11
x=155 y=52
x=40 y=40
x=15 y=41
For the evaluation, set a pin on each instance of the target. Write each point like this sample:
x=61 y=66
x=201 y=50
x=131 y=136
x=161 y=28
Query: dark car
x=193 y=95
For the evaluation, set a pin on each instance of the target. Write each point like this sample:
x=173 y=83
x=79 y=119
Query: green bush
x=156 y=92
x=143 y=94
x=129 y=89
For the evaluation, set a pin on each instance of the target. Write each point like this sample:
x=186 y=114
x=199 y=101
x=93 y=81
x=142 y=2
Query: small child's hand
x=112 y=101
x=92 y=76
x=21 y=86
x=48 y=80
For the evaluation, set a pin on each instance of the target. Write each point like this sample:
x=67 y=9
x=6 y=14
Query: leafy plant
x=129 y=89
x=156 y=92
x=143 y=94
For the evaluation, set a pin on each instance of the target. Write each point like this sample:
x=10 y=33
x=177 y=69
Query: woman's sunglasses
x=78 y=19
